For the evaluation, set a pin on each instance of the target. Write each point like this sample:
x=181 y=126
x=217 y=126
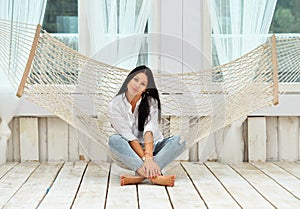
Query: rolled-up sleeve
x=152 y=124
x=119 y=122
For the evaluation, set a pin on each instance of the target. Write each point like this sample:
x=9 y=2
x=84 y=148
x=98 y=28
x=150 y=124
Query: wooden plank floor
x=198 y=185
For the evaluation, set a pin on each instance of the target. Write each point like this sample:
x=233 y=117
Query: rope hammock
x=77 y=88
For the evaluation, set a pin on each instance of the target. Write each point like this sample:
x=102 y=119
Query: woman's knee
x=114 y=139
x=178 y=143
x=177 y=140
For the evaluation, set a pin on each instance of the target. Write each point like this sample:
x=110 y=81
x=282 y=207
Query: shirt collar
x=128 y=105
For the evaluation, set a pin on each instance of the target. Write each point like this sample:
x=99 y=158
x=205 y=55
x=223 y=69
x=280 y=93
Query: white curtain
x=112 y=31
x=238 y=27
x=26 y=11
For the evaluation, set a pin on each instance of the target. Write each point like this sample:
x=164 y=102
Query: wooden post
x=288 y=141
x=275 y=71
x=29 y=61
x=257 y=139
x=29 y=139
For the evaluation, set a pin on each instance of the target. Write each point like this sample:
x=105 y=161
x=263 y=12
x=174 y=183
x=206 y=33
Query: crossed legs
x=164 y=153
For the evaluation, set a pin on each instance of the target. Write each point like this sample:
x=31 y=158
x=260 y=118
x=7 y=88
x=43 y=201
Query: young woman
x=138 y=144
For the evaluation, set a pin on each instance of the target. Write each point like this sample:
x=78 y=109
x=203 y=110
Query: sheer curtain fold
x=25 y=11
x=238 y=27
x=115 y=30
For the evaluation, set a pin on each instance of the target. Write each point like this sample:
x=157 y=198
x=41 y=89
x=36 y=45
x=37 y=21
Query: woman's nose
x=137 y=85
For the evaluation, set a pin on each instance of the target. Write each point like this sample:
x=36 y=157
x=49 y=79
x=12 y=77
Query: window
x=286 y=18
x=61 y=19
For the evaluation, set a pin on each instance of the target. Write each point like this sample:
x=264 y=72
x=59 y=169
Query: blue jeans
x=165 y=152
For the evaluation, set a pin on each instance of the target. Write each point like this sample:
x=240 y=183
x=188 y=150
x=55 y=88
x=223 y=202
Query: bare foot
x=164 y=180
x=128 y=179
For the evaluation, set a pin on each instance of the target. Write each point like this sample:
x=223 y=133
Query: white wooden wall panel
x=73 y=151
x=10 y=146
x=194 y=150
x=257 y=139
x=97 y=152
x=272 y=138
x=288 y=138
x=57 y=139
x=207 y=148
x=299 y=140
x=29 y=139
x=79 y=145
x=179 y=128
x=232 y=140
x=43 y=139
x=83 y=149
x=245 y=137
x=16 y=139
x=219 y=138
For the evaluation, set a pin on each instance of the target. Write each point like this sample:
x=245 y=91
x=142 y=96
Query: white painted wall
x=181 y=33
x=42 y=139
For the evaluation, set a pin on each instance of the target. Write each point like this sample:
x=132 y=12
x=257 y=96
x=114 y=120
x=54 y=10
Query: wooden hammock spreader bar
x=275 y=71
x=29 y=61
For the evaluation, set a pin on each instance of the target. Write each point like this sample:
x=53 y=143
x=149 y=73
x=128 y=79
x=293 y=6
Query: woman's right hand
x=151 y=168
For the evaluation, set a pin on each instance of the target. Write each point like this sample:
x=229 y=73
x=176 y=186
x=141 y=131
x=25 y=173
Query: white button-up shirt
x=125 y=122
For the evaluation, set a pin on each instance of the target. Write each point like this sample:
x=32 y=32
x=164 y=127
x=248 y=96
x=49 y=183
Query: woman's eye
x=143 y=84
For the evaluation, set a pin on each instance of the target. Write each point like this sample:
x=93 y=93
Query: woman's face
x=137 y=85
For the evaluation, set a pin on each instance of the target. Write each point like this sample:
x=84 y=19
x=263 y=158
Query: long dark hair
x=150 y=92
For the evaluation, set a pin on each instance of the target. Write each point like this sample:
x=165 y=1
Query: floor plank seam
x=137 y=196
x=22 y=184
x=279 y=177
x=48 y=189
x=195 y=187
x=107 y=187
x=81 y=179
x=276 y=181
x=252 y=186
x=169 y=197
x=222 y=185
x=286 y=170
x=9 y=170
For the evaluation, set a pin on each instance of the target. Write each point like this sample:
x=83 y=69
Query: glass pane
x=61 y=16
x=61 y=19
x=286 y=17
x=286 y=20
